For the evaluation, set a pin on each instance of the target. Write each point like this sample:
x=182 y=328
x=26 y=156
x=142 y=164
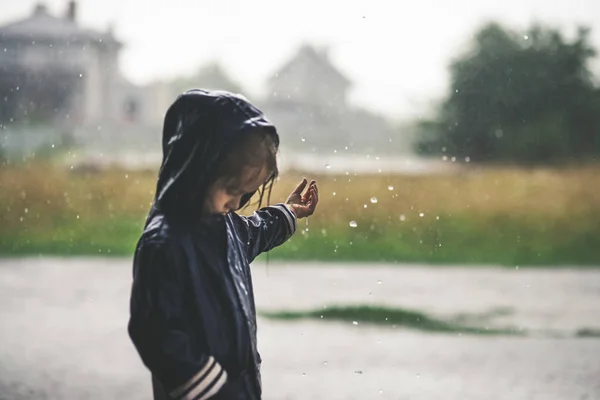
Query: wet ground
x=63 y=333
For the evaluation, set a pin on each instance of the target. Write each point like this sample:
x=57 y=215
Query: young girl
x=193 y=319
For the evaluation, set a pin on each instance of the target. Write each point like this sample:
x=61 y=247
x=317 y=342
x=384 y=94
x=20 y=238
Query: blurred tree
x=519 y=98
x=209 y=76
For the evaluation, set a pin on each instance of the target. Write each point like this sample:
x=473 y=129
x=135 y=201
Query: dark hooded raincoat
x=192 y=312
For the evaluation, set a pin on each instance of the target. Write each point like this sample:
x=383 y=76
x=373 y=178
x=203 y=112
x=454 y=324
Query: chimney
x=72 y=11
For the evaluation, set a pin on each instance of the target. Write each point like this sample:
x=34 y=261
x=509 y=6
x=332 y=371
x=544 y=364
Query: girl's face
x=223 y=198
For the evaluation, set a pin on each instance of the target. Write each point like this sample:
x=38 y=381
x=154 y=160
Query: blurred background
x=454 y=253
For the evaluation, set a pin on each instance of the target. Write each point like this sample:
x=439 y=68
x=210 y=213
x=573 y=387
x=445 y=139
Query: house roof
x=320 y=66
x=43 y=26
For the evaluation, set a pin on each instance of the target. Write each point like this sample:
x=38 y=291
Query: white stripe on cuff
x=289 y=216
x=207 y=382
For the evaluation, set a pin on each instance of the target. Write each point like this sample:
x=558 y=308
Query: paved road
x=63 y=333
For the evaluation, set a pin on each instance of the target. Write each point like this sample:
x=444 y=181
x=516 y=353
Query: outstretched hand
x=302 y=202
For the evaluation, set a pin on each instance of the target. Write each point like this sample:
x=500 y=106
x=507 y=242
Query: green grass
x=116 y=237
x=465 y=239
x=460 y=238
x=392 y=317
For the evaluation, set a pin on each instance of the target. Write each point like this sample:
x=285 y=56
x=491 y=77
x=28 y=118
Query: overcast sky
x=395 y=51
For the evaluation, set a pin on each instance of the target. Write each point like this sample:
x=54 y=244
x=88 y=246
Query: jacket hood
x=199 y=128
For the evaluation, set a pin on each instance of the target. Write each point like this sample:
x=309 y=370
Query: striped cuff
x=205 y=384
x=290 y=217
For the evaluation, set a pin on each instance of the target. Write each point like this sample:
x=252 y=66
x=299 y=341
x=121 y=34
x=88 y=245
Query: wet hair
x=255 y=150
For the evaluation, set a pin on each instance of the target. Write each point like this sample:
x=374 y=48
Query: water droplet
x=302 y=139
x=390 y=187
x=517 y=267
x=453 y=159
x=468 y=159
x=353 y=224
x=325 y=363
x=379 y=282
x=374 y=200
x=334 y=193
x=81 y=75
x=52 y=145
x=380 y=391
x=525 y=37
x=354 y=322
x=421 y=215
x=402 y=217
x=77 y=216
x=327 y=166
x=364 y=205
x=444 y=158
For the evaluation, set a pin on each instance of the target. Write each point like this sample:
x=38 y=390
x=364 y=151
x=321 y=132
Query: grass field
x=505 y=216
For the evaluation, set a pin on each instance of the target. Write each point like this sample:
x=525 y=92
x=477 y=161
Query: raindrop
x=81 y=75
x=379 y=282
x=444 y=158
x=304 y=374
x=353 y=224
x=325 y=363
x=26 y=210
x=525 y=37
x=354 y=322
x=374 y=200
x=52 y=145
x=334 y=193
x=390 y=187
x=380 y=391
x=421 y=215
x=517 y=267
x=402 y=217
x=468 y=159
x=327 y=166
x=304 y=140
x=453 y=159
x=365 y=206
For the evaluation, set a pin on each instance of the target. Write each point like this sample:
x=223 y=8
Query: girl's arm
x=157 y=328
x=265 y=229
x=272 y=226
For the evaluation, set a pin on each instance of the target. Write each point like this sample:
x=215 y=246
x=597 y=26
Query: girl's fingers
x=300 y=188
x=306 y=195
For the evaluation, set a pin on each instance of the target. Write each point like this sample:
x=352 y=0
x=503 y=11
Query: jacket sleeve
x=266 y=229
x=157 y=327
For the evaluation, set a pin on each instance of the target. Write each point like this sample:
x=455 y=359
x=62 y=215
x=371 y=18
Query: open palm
x=304 y=202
